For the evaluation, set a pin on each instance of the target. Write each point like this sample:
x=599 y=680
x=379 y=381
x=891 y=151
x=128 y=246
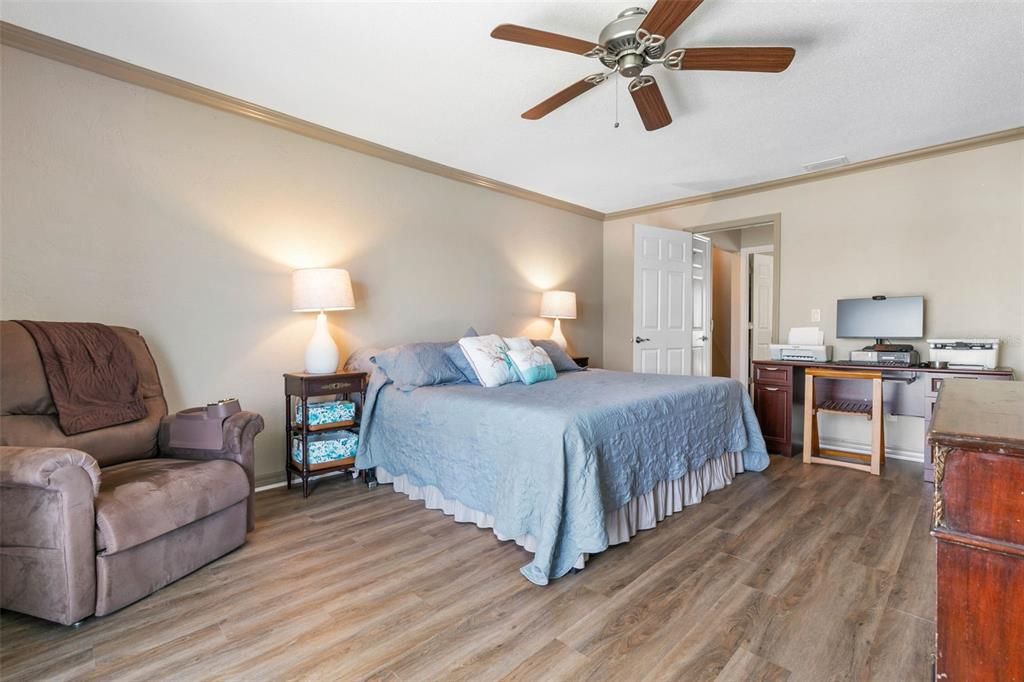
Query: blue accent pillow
x=458 y=358
x=455 y=354
x=531 y=365
x=412 y=365
x=559 y=358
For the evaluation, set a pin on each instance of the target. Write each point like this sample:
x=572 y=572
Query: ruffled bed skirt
x=640 y=513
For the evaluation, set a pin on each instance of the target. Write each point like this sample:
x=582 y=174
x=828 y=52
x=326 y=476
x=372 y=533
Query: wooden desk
x=978 y=438
x=778 y=393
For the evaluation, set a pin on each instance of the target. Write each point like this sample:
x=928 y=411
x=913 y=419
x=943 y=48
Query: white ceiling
x=869 y=79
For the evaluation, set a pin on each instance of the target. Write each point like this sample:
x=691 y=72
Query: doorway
x=757 y=315
x=744 y=293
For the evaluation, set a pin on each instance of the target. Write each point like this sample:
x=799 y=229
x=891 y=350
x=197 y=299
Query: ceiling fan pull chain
x=616 y=107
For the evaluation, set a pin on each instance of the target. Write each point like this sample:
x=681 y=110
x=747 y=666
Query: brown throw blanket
x=92 y=375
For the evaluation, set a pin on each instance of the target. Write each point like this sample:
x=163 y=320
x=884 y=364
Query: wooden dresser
x=977 y=436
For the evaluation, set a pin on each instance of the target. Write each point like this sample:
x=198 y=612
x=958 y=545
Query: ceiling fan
x=634 y=41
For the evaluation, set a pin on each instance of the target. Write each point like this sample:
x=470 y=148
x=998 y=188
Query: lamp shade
x=558 y=304
x=316 y=289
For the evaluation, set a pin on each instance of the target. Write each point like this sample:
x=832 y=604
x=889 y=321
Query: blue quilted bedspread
x=551 y=458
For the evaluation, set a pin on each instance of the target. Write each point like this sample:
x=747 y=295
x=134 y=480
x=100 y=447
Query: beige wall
x=131 y=207
x=948 y=227
x=760 y=235
x=741 y=237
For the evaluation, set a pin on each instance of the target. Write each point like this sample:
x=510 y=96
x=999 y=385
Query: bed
x=565 y=468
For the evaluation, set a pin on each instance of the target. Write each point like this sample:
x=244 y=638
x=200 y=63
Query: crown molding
x=67 y=53
x=999 y=137
x=73 y=55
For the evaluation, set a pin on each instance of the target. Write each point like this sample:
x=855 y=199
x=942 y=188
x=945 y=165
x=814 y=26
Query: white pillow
x=487 y=356
x=518 y=343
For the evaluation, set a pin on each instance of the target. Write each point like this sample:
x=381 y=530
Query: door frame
x=709 y=324
x=745 y=254
x=775 y=220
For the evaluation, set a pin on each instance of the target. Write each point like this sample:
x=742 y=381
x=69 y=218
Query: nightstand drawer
x=334 y=385
x=773 y=374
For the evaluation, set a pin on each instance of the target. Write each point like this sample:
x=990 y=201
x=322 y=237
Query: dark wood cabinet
x=977 y=438
x=773 y=405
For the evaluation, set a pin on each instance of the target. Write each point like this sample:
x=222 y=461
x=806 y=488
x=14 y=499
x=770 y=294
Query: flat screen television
x=880 y=317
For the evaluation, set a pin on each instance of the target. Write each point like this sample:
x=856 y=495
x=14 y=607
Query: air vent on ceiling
x=834 y=162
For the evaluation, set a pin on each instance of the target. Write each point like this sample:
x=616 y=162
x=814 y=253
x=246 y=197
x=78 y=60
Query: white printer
x=965 y=353
x=806 y=344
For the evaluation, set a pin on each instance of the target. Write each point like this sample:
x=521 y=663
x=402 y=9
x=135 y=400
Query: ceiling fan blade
x=763 y=59
x=649 y=102
x=559 y=98
x=532 y=36
x=666 y=15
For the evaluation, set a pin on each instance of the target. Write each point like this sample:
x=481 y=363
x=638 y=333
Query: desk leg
x=810 y=422
x=877 y=426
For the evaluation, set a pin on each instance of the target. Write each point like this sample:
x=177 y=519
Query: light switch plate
x=815 y=314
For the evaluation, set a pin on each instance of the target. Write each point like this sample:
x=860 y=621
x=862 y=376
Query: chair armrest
x=43 y=467
x=240 y=431
x=47 y=532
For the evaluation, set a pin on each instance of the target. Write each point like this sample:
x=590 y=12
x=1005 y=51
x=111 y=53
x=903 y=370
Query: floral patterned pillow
x=532 y=365
x=487 y=355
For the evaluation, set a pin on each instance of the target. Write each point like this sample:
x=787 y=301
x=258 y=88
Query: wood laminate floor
x=803 y=572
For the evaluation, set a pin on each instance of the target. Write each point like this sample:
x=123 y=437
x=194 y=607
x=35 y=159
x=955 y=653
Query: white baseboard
x=282 y=482
x=861 y=448
x=269 y=486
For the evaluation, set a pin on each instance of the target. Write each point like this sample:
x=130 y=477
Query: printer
x=965 y=353
x=806 y=344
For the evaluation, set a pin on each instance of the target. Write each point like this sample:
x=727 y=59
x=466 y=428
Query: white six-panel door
x=762 y=293
x=700 y=277
x=671 y=274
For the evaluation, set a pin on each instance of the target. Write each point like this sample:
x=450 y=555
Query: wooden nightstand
x=298 y=388
x=582 y=361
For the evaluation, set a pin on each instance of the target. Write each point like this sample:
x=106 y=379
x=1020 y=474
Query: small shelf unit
x=299 y=387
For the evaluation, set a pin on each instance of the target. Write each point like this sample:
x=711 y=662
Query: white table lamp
x=560 y=305
x=320 y=290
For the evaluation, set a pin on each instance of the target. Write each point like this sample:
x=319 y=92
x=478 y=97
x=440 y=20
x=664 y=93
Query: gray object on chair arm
x=240 y=431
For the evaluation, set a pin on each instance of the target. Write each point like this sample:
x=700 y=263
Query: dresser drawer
x=983 y=494
x=935 y=379
x=773 y=374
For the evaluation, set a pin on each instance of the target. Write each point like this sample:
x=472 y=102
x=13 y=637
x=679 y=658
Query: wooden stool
x=872 y=410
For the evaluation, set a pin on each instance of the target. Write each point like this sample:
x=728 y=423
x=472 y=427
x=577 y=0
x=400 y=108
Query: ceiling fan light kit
x=636 y=40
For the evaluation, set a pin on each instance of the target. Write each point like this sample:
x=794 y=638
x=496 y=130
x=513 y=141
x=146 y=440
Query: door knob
x=639 y=340
x=703 y=338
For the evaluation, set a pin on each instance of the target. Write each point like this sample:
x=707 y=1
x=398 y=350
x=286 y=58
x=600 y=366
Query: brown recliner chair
x=93 y=522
